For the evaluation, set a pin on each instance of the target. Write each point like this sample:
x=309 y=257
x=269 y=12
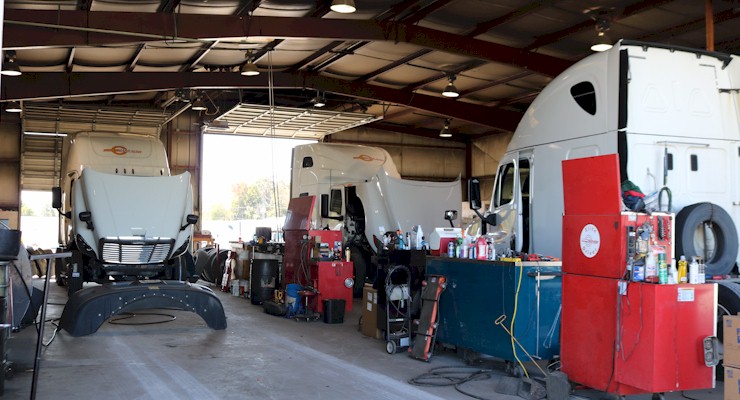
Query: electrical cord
x=452 y=376
x=513 y=318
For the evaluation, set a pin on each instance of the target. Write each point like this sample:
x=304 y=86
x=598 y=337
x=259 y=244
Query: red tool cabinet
x=617 y=335
x=331 y=282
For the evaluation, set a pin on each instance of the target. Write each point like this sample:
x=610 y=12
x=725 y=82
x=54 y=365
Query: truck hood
x=129 y=208
x=404 y=204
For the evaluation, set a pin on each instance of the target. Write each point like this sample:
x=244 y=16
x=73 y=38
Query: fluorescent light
x=45 y=134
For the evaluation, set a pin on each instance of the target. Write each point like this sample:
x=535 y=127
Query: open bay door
x=45 y=125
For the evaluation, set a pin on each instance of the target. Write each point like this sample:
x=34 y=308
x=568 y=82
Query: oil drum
x=264 y=279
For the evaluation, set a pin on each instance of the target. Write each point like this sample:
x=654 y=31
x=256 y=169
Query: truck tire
x=723 y=229
x=728 y=303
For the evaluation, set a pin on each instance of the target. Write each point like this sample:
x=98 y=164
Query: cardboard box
x=369 y=311
x=731 y=340
x=732 y=383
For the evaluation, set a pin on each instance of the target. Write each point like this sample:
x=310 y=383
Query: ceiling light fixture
x=601 y=42
x=249 y=68
x=318 y=101
x=446 y=132
x=450 y=89
x=10 y=67
x=13 y=107
x=602 y=17
x=199 y=105
x=343 y=6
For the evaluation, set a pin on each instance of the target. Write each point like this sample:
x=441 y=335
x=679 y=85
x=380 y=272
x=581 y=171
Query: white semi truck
x=362 y=193
x=128 y=224
x=671 y=114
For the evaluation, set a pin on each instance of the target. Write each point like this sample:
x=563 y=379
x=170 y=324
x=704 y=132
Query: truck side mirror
x=191 y=219
x=474 y=193
x=490 y=219
x=56 y=197
x=86 y=217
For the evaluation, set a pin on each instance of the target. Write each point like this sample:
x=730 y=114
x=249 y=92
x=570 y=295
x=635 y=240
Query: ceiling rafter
x=632 y=9
x=397 y=9
x=168 y=6
x=70 y=60
x=719 y=18
x=135 y=59
x=425 y=11
x=479 y=29
x=156 y=26
x=58 y=85
x=193 y=62
x=84 y=5
x=318 y=53
x=486 y=26
x=414 y=131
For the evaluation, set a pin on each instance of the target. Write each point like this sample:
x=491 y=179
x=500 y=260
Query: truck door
x=507 y=201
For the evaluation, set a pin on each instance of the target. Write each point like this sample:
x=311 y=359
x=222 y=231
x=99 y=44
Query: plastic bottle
x=451 y=249
x=651 y=268
x=702 y=273
x=673 y=273
x=662 y=269
x=482 y=248
x=682 y=270
x=694 y=271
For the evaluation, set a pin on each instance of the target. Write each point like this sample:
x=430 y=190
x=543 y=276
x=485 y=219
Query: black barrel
x=264 y=279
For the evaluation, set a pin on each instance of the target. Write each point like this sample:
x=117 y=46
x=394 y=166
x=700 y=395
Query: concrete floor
x=257 y=356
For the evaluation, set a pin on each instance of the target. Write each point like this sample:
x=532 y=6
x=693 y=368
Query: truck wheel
x=707 y=231
x=728 y=303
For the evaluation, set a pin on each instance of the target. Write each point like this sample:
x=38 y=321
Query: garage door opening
x=246 y=184
x=39 y=222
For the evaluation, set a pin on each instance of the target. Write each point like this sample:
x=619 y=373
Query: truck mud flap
x=88 y=308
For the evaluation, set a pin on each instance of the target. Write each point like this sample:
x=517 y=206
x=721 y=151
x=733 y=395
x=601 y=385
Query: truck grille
x=136 y=252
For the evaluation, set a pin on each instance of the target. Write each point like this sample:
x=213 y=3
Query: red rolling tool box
x=618 y=335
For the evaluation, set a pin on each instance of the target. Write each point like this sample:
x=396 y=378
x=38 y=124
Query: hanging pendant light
x=446 y=132
x=13 y=107
x=249 y=68
x=10 y=67
x=199 y=105
x=450 y=90
x=343 y=6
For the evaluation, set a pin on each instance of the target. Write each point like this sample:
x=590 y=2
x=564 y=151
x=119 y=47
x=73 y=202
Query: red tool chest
x=618 y=335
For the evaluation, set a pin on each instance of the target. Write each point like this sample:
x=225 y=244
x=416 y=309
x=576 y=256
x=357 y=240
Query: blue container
x=480 y=292
x=291 y=293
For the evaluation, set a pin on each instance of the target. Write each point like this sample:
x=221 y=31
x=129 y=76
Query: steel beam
x=54 y=85
x=42 y=28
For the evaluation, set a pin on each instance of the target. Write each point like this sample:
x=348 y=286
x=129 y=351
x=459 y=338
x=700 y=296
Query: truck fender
x=725 y=235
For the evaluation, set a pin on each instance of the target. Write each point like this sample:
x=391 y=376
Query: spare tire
x=719 y=223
